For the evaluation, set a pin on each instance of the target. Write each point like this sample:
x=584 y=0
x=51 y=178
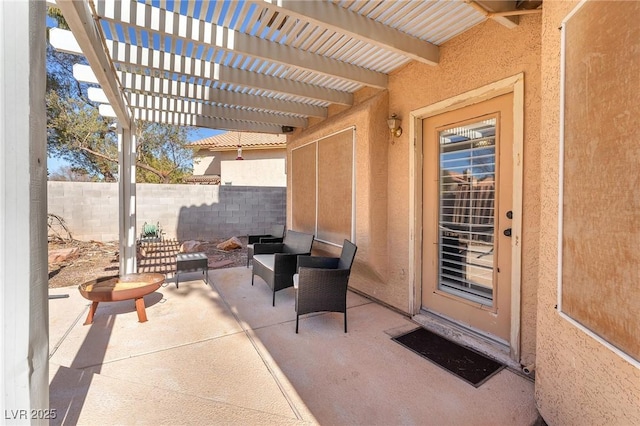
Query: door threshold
x=492 y=348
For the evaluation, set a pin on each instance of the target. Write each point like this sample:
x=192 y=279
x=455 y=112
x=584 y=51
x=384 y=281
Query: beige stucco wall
x=264 y=172
x=485 y=54
x=578 y=380
x=370 y=268
x=207 y=162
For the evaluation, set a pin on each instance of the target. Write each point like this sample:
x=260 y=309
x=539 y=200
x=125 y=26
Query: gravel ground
x=97 y=259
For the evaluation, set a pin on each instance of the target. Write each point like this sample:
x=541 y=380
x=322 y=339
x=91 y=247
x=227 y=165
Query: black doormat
x=465 y=363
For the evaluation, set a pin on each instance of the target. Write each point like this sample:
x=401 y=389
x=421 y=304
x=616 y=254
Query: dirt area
x=94 y=259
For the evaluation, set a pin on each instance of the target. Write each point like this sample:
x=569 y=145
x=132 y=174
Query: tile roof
x=203 y=179
x=246 y=139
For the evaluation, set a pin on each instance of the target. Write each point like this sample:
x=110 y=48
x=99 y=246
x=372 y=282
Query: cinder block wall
x=202 y=212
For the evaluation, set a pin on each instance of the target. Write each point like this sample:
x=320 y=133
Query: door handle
x=507 y=232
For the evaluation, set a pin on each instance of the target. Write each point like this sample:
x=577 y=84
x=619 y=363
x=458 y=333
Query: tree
x=67 y=173
x=163 y=155
x=77 y=133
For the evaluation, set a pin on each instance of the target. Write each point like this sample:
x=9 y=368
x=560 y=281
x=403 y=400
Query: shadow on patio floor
x=223 y=354
x=160 y=257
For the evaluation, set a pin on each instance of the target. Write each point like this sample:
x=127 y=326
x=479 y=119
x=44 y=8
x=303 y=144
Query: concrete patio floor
x=221 y=354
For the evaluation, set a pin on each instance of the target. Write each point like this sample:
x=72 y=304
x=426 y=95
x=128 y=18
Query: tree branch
x=161 y=174
x=98 y=154
x=164 y=176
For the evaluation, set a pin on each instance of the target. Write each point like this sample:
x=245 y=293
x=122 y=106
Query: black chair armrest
x=267 y=248
x=271 y=239
x=318 y=262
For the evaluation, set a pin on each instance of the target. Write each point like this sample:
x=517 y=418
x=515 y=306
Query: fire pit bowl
x=114 y=289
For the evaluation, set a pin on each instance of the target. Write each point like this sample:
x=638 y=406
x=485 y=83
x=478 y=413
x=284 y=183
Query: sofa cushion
x=268 y=260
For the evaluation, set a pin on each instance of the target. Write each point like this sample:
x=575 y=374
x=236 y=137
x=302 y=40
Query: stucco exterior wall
x=369 y=272
x=578 y=380
x=207 y=162
x=483 y=55
x=266 y=172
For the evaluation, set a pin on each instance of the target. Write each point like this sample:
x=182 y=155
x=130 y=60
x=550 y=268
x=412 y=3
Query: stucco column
x=23 y=213
x=127 y=198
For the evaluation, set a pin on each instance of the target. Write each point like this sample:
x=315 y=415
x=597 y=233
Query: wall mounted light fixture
x=394 y=125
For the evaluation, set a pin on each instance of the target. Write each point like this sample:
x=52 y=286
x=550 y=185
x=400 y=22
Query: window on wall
x=322 y=187
x=600 y=208
x=303 y=188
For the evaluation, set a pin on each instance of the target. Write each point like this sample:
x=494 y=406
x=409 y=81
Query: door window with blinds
x=467 y=176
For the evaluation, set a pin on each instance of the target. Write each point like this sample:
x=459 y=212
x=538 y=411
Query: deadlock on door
x=507 y=232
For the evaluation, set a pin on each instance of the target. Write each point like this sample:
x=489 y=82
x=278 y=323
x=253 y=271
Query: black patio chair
x=321 y=283
x=276 y=236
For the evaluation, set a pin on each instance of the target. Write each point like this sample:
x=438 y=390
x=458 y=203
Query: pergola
x=255 y=66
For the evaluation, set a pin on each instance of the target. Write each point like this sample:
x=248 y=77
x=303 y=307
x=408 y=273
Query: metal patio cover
x=258 y=66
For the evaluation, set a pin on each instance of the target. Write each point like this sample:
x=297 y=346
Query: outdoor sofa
x=276 y=263
x=276 y=235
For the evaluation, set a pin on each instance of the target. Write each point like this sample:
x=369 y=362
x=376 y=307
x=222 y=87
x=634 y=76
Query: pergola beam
x=341 y=20
x=181 y=119
x=157 y=103
x=155 y=86
x=84 y=28
x=87 y=34
x=501 y=11
x=160 y=101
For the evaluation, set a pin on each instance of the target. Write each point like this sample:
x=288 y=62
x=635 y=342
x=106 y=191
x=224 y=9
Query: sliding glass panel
x=466 y=210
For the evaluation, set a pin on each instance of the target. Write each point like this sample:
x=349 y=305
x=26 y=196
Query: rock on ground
x=231 y=244
x=190 y=246
x=62 y=255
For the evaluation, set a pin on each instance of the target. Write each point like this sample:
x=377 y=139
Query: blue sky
x=53 y=164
